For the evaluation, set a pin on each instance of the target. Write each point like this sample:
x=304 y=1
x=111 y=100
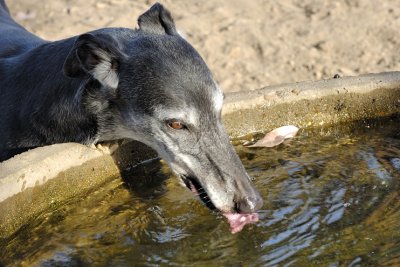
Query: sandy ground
x=249 y=44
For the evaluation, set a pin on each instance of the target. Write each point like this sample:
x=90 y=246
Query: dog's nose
x=249 y=204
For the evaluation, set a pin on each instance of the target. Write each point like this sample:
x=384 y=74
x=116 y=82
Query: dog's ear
x=97 y=56
x=157 y=20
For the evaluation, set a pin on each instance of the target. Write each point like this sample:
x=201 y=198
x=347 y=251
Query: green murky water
x=331 y=198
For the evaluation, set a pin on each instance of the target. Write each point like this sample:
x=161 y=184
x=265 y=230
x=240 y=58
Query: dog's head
x=152 y=86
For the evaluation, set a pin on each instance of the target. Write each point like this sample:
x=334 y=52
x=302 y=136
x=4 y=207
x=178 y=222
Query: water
x=331 y=198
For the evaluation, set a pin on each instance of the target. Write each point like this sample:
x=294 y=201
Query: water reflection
x=324 y=196
x=374 y=165
x=331 y=198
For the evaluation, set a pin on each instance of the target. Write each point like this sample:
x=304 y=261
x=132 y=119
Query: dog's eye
x=176 y=125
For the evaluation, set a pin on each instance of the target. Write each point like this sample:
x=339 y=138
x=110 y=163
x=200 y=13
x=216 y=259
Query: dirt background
x=249 y=44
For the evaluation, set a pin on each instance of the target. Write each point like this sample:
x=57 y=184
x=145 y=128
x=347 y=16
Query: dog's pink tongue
x=237 y=221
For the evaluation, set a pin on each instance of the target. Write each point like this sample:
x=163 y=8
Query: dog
x=146 y=84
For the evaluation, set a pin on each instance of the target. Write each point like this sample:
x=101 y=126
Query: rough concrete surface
x=313 y=104
x=38 y=165
x=292 y=92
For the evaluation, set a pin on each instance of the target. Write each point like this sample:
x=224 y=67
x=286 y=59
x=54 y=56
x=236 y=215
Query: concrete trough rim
x=63 y=157
x=291 y=92
x=35 y=168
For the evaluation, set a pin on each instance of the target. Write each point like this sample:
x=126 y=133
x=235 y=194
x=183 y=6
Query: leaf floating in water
x=277 y=136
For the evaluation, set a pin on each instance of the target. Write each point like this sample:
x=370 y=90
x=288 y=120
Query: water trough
x=37 y=180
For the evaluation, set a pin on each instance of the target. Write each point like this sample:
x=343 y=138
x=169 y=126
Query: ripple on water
x=331 y=197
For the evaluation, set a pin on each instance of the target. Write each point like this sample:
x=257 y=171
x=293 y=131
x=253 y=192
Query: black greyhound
x=146 y=84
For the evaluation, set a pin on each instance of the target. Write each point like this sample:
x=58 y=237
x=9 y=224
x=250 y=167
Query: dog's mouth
x=194 y=185
x=236 y=219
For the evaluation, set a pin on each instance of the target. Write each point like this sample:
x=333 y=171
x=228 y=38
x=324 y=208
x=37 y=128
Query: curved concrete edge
x=309 y=90
x=36 y=180
x=38 y=165
x=72 y=183
x=313 y=104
